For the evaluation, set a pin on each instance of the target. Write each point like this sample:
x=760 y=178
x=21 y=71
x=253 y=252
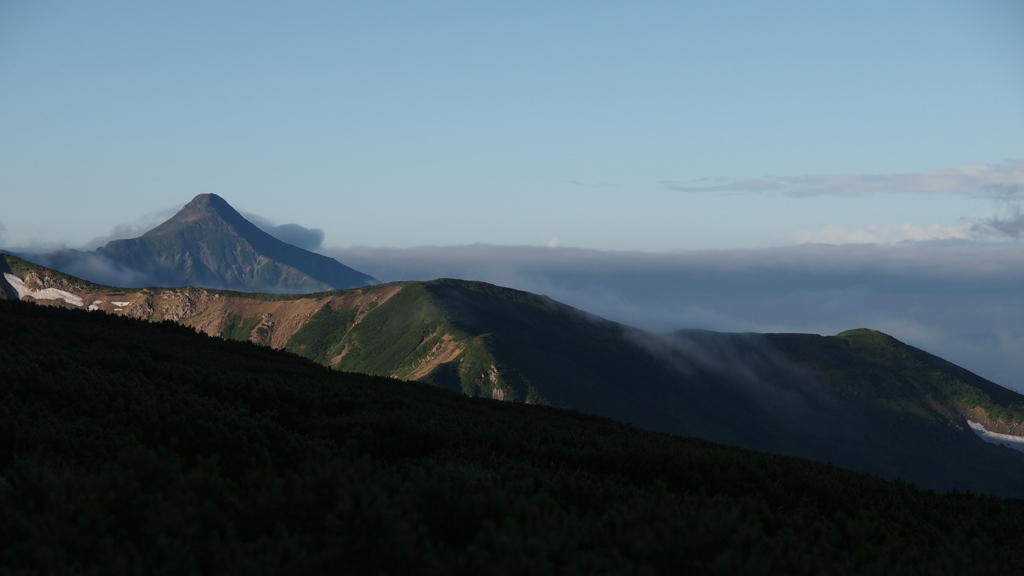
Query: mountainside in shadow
x=209 y=244
x=129 y=447
x=861 y=400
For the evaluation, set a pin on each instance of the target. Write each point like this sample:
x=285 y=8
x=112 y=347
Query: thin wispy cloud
x=969 y=180
x=594 y=184
x=875 y=234
x=1007 y=223
x=1009 y=218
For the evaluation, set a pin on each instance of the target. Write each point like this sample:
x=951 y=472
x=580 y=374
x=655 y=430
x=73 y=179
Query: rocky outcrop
x=998 y=425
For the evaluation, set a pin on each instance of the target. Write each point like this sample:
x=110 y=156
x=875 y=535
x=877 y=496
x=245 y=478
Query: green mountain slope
x=130 y=447
x=881 y=370
x=861 y=400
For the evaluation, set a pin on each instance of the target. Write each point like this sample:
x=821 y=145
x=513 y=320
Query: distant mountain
x=209 y=244
x=861 y=399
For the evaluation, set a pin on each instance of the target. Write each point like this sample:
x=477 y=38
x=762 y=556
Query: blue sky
x=664 y=164
x=656 y=126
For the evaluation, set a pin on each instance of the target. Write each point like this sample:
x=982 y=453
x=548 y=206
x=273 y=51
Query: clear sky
x=651 y=126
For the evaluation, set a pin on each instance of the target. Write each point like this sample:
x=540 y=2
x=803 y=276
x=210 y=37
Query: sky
x=678 y=134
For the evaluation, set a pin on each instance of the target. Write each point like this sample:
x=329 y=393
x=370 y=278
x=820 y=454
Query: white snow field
x=1015 y=442
x=44 y=294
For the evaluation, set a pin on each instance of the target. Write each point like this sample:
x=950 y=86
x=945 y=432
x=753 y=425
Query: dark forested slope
x=130 y=448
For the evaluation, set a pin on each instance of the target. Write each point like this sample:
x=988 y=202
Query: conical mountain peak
x=209 y=244
x=207 y=203
x=205 y=207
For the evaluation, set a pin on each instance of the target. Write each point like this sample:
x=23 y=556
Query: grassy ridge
x=878 y=368
x=950 y=382
x=397 y=336
x=128 y=448
x=320 y=338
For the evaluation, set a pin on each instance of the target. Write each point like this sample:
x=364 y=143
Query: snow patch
x=1015 y=442
x=95 y=305
x=121 y=304
x=44 y=294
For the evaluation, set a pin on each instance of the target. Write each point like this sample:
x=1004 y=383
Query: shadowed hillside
x=130 y=447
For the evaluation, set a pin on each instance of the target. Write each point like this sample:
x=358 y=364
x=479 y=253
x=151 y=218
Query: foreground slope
x=861 y=400
x=132 y=447
x=208 y=243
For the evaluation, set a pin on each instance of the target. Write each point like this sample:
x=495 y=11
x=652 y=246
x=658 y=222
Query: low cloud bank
x=90 y=266
x=295 y=234
x=959 y=300
x=132 y=229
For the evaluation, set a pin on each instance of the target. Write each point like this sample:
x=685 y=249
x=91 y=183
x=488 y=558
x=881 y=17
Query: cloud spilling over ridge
x=969 y=180
x=745 y=361
x=960 y=300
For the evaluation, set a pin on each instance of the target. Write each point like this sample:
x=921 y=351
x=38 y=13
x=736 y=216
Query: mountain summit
x=209 y=244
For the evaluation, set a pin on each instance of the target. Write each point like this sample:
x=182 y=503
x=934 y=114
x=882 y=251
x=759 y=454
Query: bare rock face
x=998 y=425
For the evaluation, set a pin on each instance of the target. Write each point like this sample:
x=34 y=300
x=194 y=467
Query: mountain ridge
x=842 y=399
